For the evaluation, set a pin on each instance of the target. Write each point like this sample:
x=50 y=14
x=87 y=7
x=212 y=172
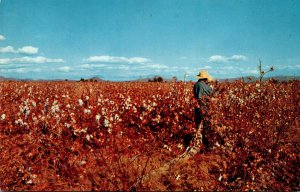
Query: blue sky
x=129 y=39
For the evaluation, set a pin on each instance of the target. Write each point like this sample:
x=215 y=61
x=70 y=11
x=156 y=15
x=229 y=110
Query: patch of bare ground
x=199 y=172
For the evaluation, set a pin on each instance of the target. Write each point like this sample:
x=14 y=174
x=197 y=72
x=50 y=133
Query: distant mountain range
x=246 y=79
x=14 y=79
x=8 y=79
x=98 y=79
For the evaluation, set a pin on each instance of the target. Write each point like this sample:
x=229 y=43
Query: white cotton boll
x=89 y=137
x=180 y=146
x=97 y=117
x=55 y=109
x=19 y=122
x=87 y=111
x=134 y=109
x=186 y=99
x=220 y=178
x=67 y=125
x=3 y=117
x=144 y=105
x=33 y=103
x=35 y=120
x=167 y=147
x=117 y=117
x=80 y=102
x=55 y=102
x=82 y=162
x=25 y=110
x=103 y=112
x=106 y=123
x=83 y=130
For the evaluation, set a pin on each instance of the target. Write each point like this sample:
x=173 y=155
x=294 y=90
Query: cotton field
x=106 y=136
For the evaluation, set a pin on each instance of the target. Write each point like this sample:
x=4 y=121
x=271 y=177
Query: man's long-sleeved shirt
x=201 y=89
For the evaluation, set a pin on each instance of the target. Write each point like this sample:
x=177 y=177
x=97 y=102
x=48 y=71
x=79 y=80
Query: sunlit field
x=110 y=136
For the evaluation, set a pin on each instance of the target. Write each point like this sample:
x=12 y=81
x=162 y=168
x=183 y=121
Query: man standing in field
x=201 y=93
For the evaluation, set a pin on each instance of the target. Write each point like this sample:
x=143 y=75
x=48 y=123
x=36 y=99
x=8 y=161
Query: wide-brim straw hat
x=203 y=74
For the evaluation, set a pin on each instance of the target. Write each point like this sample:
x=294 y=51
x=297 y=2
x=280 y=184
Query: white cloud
x=248 y=71
x=112 y=59
x=138 y=60
x=5 y=61
x=38 y=59
x=207 y=67
x=21 y=70
x=23 y=50
x=218 y=59
x=281 y=67
x=148 y=66
x=2 y=38
x=90 y=66
x=28 y=50
x=7 y=49
x=121 y=66
x=227 y=68
x=124 y=67
x=65 y=69
x=156 y=66
x=238 y=58
x=253 y=71
x=223 y=59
